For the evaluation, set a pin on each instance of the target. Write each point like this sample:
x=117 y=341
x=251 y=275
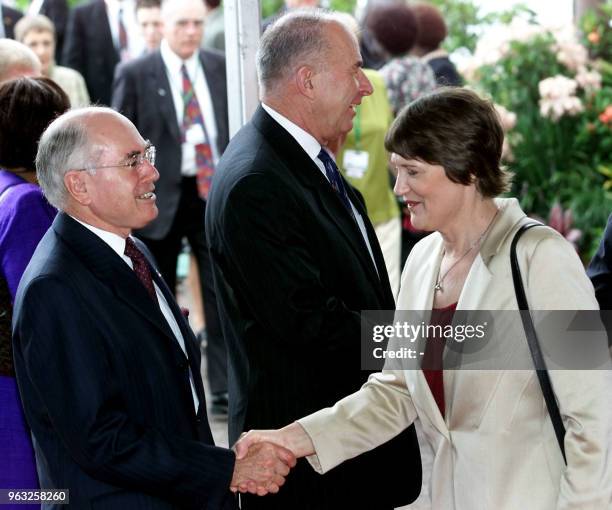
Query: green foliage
x=270 y=7
x=343 y=5
x=597 y=32
x=465 y=22
x=565 y=160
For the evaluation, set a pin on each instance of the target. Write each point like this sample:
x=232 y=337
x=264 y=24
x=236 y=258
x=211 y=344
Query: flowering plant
x=562 y=137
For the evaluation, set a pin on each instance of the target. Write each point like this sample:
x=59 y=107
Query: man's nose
x=365 y=87
x=148 y=171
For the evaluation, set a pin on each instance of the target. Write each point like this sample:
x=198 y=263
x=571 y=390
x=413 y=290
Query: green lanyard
x=357 y=126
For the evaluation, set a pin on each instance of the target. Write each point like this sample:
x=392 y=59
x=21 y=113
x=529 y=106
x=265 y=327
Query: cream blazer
x=495 y=448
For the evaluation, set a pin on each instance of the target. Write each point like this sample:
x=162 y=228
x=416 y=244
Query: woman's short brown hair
x=27 y=107
x=455 y=128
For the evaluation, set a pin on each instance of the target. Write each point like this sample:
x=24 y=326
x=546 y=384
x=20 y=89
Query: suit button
x=183 y=365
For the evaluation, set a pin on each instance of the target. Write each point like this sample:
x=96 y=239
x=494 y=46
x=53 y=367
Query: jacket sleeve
x=376 y=413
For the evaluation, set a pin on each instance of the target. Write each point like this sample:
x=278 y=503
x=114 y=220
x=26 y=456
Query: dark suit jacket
x=105 y=385
x=600 y=273
x=89 y=48
x=57 y=11
x=10 y=16
x=292 y=273
x=142 y=93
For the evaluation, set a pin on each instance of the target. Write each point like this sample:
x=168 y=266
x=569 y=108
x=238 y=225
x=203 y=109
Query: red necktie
x=191 y=116
x=141 y=267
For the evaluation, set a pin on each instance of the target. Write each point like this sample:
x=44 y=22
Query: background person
x=38 y=33
x=296 y=260
x=57 y=11
x=99 y=35
x=177 y=97
x=431 y=32
x=492 y=439
x=17 y=60
x=394 y=26
x=27 y=106
x=148 y=15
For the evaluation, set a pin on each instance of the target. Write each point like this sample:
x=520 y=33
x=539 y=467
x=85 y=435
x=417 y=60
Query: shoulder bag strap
x=532 y=340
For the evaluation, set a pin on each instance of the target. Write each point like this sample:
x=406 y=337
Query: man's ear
x=304 y=79
x=76 y=185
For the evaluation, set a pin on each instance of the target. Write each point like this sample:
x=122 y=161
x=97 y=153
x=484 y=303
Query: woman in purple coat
x=27 y=106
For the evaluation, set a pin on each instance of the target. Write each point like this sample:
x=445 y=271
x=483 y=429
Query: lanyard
x=357 y=126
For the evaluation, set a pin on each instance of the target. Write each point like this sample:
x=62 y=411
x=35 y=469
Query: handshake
x=265 y=457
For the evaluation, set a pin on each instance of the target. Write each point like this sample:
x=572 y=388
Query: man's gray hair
x=63 y=146
x=294 y=40
x=17 y=56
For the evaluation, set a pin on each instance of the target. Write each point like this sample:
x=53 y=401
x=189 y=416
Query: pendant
x=438 y=287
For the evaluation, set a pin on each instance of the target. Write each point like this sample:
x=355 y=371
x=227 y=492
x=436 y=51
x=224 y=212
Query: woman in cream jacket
x=493 y=442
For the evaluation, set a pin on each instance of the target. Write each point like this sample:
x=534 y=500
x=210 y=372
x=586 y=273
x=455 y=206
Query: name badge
x=355 y=163
x=195 y=135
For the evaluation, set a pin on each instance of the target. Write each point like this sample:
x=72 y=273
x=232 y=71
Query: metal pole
x=242 y=27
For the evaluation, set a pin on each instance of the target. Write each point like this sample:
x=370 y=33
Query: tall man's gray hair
x=294 y=40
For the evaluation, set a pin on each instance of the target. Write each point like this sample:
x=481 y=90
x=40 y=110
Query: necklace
x=438 y=285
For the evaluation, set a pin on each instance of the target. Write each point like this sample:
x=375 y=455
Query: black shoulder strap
x=532 y=340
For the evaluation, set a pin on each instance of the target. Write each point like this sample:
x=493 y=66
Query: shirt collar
x=173 y=62
x=116 y=242
x=304 y=139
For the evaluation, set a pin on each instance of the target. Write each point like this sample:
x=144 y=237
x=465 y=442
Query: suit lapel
x=111 y=270
x=307 y=172
x=191 y=343
x=163 y=95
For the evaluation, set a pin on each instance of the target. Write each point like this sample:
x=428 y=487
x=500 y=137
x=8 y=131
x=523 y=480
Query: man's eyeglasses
x=133 y=162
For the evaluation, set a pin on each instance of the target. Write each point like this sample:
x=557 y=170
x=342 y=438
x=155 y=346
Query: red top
x=432 y=359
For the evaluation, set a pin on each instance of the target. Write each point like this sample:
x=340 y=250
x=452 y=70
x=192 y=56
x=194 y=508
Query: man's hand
x=292 y=437
x=261 y=468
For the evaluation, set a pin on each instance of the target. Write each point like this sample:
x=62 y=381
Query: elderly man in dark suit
x=296 y=259
x=177 y=98
x=107 y=367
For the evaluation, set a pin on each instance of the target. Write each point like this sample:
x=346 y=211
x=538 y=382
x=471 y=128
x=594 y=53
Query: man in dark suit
x=95 y=44
x=107 y=366
x=600 y=273
x=9 y=17
x=296 y=260
x=150 y=91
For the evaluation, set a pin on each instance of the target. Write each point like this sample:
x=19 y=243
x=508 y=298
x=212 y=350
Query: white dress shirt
x=173 y=64
x=312 y=148
x=135 y=41
x=34 y=7
x=117 y=243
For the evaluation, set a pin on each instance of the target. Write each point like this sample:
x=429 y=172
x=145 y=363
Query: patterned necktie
x=141 y=267
x=123 y=41
x=191 y=116
x=331 y=170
